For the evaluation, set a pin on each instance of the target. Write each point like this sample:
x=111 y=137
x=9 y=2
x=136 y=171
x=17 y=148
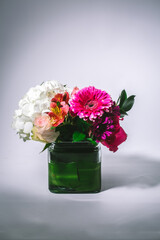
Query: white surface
x=111 y=45
x=128 y=208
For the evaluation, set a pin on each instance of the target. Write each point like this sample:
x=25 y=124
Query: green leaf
x=64 y=174
x=128 y=103
x=123 y=97
x=78 y=136
x=92 y=141
x=81 y=126
x=46 y=146
x=123 y=113
x=58 y=103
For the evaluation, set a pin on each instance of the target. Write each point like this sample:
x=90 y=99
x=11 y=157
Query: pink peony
x=90 y=103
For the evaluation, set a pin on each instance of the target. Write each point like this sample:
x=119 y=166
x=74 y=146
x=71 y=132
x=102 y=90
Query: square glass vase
x=74 y=167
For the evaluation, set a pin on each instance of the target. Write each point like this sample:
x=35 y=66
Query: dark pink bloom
x=114 y=110
x=104 y=127
x=115 y=140
x=108 y=131
x=90 y=103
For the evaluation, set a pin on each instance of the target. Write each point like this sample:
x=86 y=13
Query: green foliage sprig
x=125 y=103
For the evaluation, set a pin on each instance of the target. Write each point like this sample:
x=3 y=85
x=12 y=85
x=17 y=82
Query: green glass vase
x=74 y=167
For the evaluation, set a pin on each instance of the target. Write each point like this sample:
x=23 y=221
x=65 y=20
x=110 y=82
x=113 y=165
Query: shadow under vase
x=138 y=171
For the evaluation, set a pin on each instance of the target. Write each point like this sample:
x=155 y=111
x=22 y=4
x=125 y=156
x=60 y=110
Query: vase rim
x=73 y=145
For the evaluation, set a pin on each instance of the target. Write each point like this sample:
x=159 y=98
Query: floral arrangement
x=52 y=112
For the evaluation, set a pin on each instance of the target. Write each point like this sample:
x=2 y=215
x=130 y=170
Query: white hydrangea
x=35 y=102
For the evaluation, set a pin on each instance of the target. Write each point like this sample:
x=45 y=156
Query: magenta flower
x=108 y=131
x=104 y=127
x=90 y=103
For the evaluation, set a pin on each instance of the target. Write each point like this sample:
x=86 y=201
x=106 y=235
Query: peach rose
x=42 y=130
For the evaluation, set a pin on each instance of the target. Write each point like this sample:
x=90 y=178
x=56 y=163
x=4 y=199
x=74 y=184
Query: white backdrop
x=109 y=44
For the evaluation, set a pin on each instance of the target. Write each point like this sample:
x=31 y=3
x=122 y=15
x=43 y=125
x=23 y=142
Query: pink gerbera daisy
x=90 y=103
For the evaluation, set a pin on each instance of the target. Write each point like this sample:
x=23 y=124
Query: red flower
x=113 y=141
x=59 y=108
x=59 y=97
